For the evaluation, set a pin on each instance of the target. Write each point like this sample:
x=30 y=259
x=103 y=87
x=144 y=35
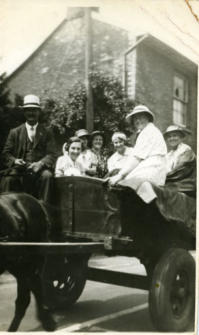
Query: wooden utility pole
x=88 y=67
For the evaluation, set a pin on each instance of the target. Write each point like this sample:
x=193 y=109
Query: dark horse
x=23 y=219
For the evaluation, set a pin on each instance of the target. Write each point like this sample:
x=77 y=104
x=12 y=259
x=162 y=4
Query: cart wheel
x=172 y=293
x=64 y=280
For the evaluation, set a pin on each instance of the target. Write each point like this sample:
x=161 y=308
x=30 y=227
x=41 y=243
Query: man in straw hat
x=147 y=163
x=29 y=153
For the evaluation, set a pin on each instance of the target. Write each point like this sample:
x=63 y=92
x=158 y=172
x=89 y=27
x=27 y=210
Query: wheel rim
x=179 y=293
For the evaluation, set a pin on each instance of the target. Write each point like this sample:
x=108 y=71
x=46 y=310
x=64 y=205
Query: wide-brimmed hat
x=173 y=128
x=140 y=109
x=31 y=101
x=81 y=133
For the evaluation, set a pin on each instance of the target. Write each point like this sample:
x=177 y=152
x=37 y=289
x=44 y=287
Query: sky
x=25 y=24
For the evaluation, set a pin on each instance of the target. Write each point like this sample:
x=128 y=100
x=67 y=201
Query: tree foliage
x=10 y=115
x=5 y=105
x=67 y=114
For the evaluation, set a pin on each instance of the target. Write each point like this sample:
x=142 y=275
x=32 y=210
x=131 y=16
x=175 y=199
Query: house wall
x=60 y=61
x=154 y=87
x=53 y=68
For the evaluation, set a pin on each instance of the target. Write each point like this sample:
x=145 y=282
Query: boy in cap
x=29 y=148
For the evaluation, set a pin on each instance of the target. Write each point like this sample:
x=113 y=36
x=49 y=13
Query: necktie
x=32 y=134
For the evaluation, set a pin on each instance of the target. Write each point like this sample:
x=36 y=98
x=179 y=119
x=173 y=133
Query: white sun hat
x=174 y=128
x=140 y=109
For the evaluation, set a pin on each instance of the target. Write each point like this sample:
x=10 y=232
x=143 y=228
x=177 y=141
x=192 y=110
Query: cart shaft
x=118 y=278
x=17 y=248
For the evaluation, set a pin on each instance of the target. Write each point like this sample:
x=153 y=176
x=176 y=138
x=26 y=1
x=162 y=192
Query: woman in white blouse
x=117 y=161
x=147 y=163
x=67 y=165
x=179 y=153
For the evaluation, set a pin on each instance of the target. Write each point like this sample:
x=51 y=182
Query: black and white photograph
x=98 y=166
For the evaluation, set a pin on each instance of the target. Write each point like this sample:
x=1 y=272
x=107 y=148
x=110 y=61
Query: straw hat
x=96 y=133
x=31 y=101
x=81 y=133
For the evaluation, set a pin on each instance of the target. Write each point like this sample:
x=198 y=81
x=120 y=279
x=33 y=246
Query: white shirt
x=177 y=157
x=31 y=130
x=87 y=158
x=151 y=149
x=150 y=142
x=117 y=160
x=66 y=167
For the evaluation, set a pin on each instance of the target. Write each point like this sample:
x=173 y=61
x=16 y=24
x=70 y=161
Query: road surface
x=101 y=306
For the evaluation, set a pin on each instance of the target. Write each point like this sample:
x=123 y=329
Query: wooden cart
x=88 y=218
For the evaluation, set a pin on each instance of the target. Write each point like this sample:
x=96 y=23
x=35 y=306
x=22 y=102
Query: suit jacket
x=43 y=147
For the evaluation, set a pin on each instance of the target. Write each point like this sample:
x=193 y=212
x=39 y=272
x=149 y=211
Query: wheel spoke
x=64 y=281
x=179 y=293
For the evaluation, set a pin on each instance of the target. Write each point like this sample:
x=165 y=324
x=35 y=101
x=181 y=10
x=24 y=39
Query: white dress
x=117 y=161
x=66 y=167
x=150 y=148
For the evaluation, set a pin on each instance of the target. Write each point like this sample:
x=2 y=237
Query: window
x=130 y=74
x=180 y=100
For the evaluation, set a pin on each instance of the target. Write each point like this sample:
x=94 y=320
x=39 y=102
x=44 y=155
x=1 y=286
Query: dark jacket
x=43 y=148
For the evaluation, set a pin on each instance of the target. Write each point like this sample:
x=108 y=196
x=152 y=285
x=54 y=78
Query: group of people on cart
x=31 y=161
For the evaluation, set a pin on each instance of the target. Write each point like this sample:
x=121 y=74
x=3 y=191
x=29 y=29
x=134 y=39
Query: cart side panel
x=62 y=202
x=97 y=210
x=86 y=206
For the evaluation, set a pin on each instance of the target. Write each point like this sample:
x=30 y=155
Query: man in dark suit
x=29 y=154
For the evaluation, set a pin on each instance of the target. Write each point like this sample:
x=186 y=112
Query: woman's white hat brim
x=178 y=129
x=140 y=109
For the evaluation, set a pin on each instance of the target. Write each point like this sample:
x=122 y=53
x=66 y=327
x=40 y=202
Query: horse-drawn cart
x=87 y=218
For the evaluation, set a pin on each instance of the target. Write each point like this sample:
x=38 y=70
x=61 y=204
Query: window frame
x=184 y=101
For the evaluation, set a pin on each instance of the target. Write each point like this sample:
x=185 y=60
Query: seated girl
x=117 y=161
x=67 y=165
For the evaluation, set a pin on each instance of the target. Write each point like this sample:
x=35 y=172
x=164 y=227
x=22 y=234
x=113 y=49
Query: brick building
x=152 y=72
x=164 y=80
x=60 y=61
